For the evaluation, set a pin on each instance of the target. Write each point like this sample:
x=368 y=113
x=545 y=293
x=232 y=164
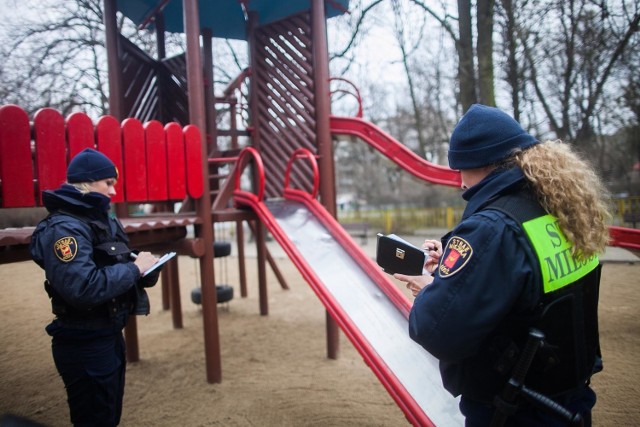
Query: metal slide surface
x=376 y=325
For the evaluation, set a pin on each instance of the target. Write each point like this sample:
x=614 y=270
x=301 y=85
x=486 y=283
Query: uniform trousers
x=93 y=372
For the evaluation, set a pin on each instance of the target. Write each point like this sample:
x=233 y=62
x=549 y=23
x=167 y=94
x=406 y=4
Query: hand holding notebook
x=161 y=261
x=396 y=255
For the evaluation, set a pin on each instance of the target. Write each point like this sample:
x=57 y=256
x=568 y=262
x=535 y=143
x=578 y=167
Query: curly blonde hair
x=569 y=189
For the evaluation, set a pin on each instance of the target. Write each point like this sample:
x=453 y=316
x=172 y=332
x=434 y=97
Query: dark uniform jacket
x=486 y=294
x=92 y=282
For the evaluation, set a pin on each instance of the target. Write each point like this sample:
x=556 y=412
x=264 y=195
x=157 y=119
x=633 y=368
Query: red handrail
x=243 y=160
x=355 y=93
x=302 y=153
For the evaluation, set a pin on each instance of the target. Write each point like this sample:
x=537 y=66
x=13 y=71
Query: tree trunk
x=485 y=51
x=466 y=75
x=511 y=42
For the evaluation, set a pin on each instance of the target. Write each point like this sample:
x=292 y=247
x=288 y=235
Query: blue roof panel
x=225 y=18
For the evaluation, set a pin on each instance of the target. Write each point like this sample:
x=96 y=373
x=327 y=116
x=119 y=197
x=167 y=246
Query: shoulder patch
x=455 y=256
x=66 y=248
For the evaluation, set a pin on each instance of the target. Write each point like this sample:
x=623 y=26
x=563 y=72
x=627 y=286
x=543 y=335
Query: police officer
x=94 y=286
x=523 y=257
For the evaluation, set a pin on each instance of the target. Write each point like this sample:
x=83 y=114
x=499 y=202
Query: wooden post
x=116 y=110
x=323 y=133
x=113 y=61
x=256 y=143
x=209 y=98
x=197 y=117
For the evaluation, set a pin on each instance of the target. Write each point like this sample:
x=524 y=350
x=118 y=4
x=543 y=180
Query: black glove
x=150 y=280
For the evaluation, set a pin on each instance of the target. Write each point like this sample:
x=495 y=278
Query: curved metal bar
x=299 y=154
x=356 y=94
x=243 y=160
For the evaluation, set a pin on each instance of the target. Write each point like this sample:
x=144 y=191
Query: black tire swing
x=224 y=292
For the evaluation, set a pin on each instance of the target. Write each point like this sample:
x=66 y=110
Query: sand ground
x=275 y=370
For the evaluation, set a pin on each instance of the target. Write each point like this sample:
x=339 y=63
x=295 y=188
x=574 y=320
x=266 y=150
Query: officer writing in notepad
x=524 y=255
x=94 y=286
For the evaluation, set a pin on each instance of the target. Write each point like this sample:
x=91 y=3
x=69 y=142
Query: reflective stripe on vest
x=559 y=267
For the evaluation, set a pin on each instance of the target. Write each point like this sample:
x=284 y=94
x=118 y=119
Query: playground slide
x=368 y=307
x=394 y=150
x=626 y=238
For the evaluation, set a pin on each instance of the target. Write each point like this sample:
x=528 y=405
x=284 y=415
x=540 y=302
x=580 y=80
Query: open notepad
x=396 y=255
x=164 y=258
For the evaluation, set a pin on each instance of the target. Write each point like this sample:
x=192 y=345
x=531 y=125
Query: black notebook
x=396 y=255
x=161 y=261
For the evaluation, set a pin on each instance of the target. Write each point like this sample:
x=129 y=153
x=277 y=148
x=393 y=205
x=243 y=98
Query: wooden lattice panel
x=285 y=104
x=153 y=90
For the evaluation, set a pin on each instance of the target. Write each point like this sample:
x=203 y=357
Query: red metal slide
x=394 y=150
x=627 y=238
x=367 y=306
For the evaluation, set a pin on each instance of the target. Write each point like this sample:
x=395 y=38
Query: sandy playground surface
x=275 y=371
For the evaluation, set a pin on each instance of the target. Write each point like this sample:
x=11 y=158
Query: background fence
x=625 y=211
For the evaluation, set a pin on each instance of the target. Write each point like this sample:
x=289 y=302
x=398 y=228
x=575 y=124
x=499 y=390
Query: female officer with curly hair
x=524 y=255
x=94 y=285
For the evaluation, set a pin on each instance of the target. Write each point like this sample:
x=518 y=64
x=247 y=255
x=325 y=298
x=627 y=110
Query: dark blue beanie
x=484 y=136
x=90 y=165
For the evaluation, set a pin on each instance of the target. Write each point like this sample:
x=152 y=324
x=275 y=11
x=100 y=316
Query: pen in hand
x=434 y=252
x=143 y=260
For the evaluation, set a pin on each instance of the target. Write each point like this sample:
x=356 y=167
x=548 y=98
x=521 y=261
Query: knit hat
x=90 y=165
x=484 y=136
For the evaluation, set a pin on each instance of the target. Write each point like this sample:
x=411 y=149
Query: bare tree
x=513 y=74
x=406 y=50
x=484 y=25
x=58 y=59
x=570 y=54
x=473 y=85
x=420 y=104
x=466 y=58
x=355 y=27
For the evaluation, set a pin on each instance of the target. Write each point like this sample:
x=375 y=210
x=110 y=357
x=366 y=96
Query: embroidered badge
x=66 y=249
x=456 y=255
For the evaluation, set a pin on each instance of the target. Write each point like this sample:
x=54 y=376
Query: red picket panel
x=108 y=138
x=80 y=133
x=176 y=177
x=156 y=160
x=51 y=150
x=193 y=154
x=135 y=167
x=155 y=163
x=16 y=165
